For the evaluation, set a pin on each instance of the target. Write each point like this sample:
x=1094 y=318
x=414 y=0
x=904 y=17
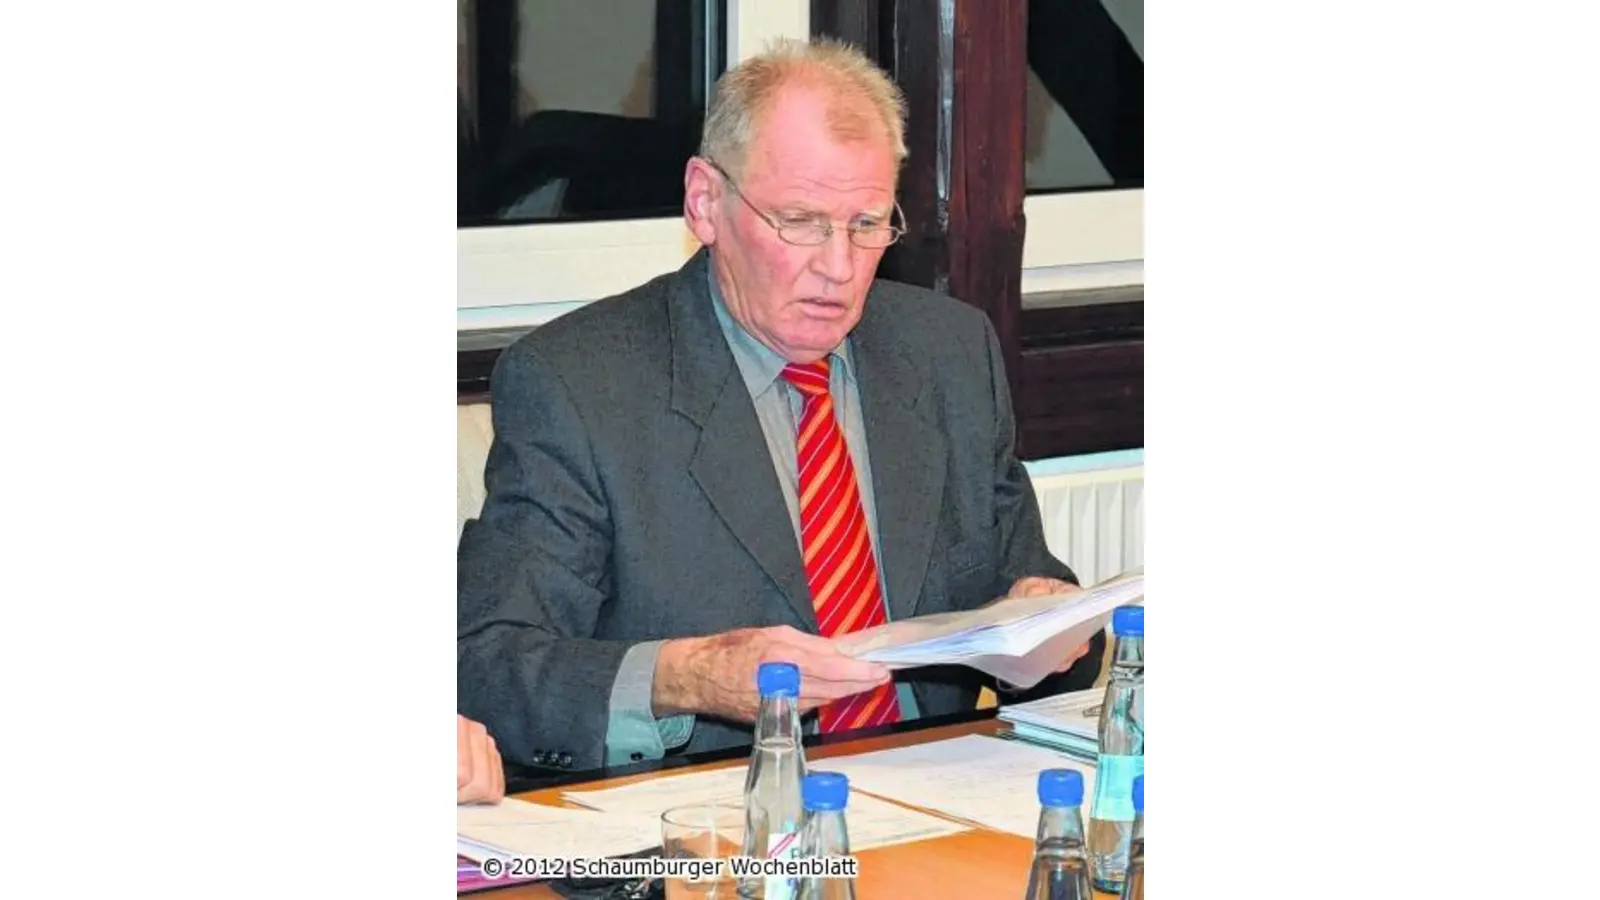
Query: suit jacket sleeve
x=533 y=577
x=1021 y=531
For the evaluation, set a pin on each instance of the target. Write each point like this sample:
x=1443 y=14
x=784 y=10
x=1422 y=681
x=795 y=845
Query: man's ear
x=701 y=192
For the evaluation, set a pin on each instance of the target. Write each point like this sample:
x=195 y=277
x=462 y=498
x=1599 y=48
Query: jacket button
x=565 y=761
x=636 y=757
x=538 y=757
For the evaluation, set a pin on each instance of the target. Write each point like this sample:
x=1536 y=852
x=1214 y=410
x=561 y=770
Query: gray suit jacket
x=631 y=497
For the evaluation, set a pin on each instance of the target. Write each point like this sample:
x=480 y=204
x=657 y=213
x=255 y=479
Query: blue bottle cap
x=823 y=791
x=1128 y=621
x=778 y=680
x=1060 y=787
x=1138 y=794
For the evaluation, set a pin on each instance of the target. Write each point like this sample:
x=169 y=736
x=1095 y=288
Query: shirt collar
x=758 y=364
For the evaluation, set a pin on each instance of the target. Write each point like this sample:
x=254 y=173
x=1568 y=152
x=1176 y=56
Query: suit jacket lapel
x=730 y=463
x=908 y=458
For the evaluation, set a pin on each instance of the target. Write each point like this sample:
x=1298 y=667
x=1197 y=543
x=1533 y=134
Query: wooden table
x=980 y=863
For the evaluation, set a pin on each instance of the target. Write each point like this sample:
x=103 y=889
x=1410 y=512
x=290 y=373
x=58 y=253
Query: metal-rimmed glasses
x=814 y=231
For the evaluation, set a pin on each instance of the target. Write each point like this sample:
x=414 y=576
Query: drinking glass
x=708 y=832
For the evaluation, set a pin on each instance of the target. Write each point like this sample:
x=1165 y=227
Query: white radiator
x=1094 y=520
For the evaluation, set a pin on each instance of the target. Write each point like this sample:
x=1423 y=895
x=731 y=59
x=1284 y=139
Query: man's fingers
x=832 y=677
x=825 y=673
x=463 y=752
x=1072 y=658
x=819 y=659
x=479 y=739
x=482 y=755
x=835 y=673
x=824 y=691
x=497 y=773
x=1036 y=586
x=843 y=668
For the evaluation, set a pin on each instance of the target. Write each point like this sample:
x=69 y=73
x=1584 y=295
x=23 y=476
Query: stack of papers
x=470 y=877
x=516 y=828
x=1066 y=722
x=870 y=821
x=986 y=780
x=1020 y=640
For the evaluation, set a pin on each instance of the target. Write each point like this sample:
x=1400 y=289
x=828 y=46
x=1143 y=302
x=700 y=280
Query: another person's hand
x=1037 y=586
x=480 y=777
x=716 y=675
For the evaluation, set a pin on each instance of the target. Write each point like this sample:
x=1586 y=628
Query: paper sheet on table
x=653 y=796
x=871 y=822
x=1062 y=712
x=1068 y=722
x=1020 y=640
x=518 y=828
x=986 y=780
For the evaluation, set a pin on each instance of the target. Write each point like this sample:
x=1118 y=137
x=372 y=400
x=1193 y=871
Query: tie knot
x=810 y=378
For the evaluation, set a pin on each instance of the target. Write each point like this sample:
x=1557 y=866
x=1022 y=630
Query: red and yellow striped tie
x=838 y=547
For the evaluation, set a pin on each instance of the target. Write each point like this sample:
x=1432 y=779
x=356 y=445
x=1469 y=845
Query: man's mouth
x=824 y=305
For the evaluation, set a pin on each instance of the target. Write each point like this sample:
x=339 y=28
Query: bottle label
x=782 y=845
x=1113 y=787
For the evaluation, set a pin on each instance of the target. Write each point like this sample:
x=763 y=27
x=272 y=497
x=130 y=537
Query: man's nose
x=835 y=260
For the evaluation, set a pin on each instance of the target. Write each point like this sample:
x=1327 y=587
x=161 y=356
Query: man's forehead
x=863 y=175
x=804 y=123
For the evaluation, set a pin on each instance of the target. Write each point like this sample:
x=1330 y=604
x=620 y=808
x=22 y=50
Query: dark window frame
x=684 y=66
x=1076 y=362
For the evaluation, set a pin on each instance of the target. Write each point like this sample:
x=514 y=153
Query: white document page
x=518 y=828
x=1063 y=712
x=654 y=796
x=1020 y=640
x=870 y=821
x=986 y=780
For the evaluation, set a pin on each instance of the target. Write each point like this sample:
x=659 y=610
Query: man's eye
x=798 y=221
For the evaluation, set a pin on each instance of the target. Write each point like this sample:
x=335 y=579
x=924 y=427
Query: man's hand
x=480 y=778
x=716 y=675
x=1036 y=586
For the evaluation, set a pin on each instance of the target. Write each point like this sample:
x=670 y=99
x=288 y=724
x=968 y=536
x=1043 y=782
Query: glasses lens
x=874 y=237
x=807 y=235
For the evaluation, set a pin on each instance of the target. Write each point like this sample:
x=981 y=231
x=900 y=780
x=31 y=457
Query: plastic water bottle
x=1133 y=885
x=825 y=796
x=772 y=804
x=1060 y=866
x=1121 y=758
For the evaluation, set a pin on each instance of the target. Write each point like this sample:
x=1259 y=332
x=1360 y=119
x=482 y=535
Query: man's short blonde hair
x=864 y=102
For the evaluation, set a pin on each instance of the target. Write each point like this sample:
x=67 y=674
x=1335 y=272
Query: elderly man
x=735 y=462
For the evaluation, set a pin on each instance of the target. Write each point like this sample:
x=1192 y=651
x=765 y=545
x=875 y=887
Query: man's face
x=802 y=301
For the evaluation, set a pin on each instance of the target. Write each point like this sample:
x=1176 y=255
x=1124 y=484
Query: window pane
x=581 y=109
x=1085 y=125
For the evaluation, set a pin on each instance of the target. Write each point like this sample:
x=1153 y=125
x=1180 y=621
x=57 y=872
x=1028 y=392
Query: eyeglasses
x=812 y=231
